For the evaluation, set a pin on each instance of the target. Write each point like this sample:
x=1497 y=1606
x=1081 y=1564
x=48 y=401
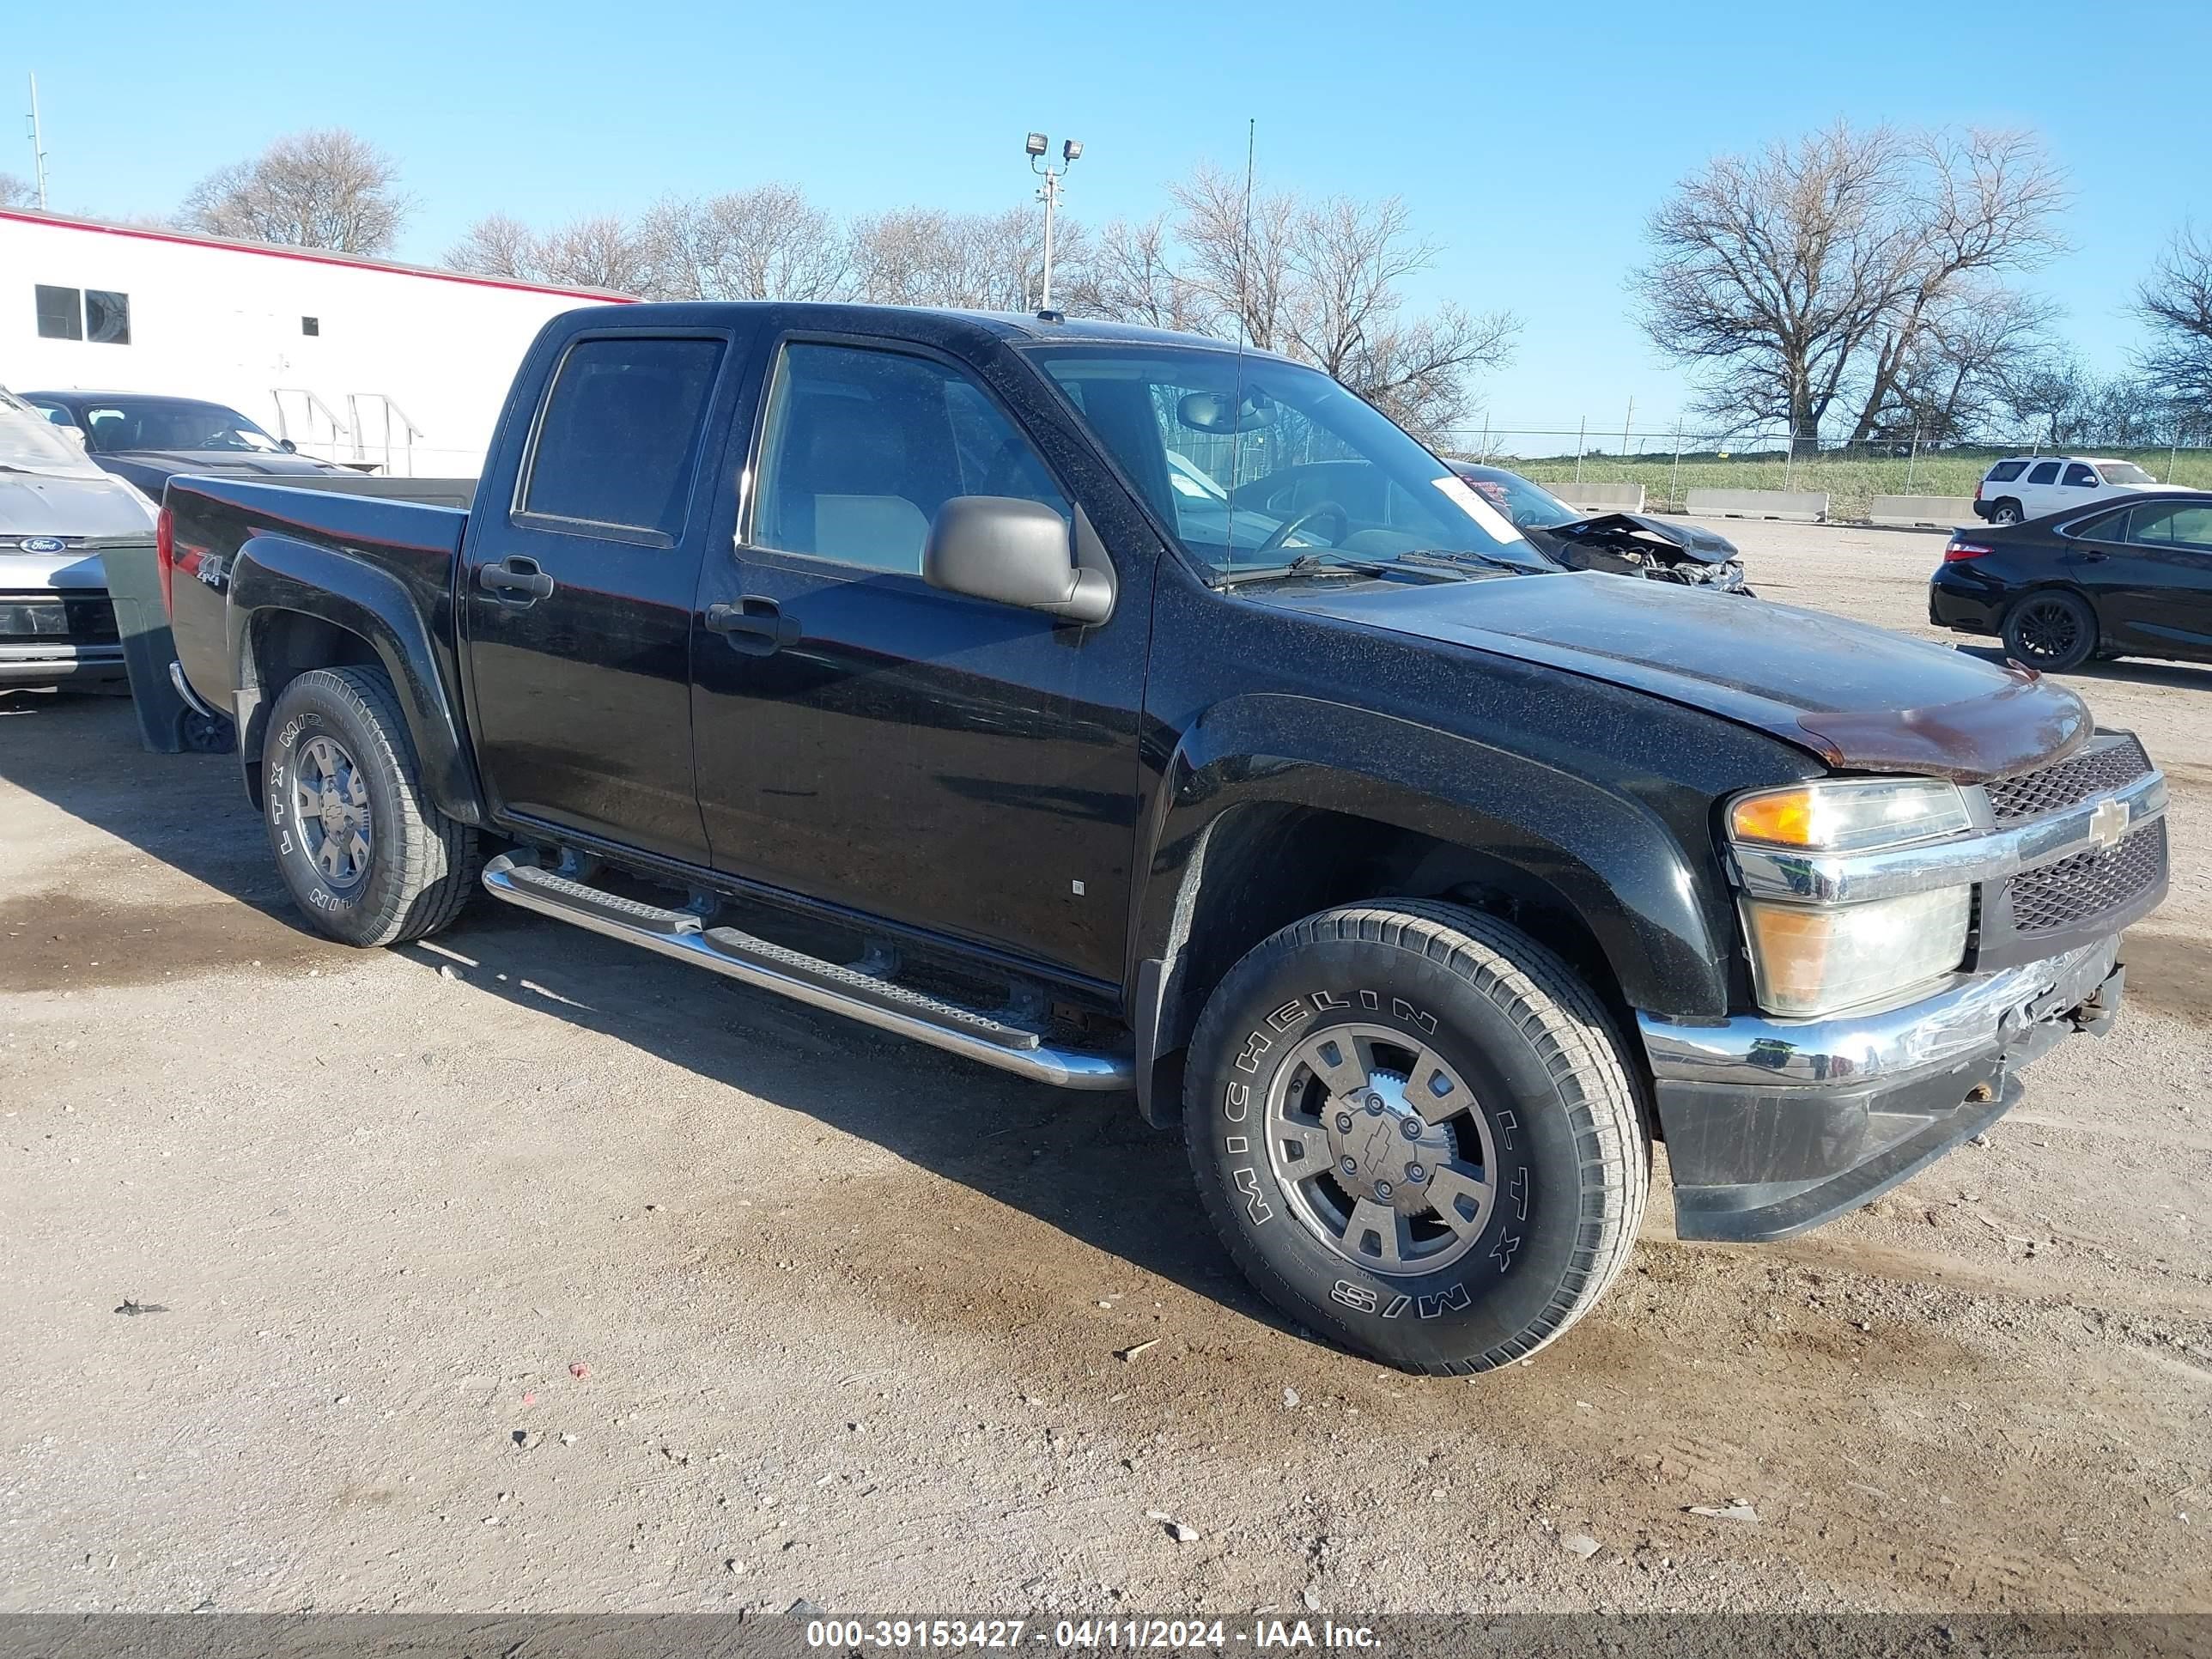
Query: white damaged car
x=58 y=512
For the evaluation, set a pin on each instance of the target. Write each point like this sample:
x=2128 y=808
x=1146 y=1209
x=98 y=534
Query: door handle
x=756 y=627
x=517 y=580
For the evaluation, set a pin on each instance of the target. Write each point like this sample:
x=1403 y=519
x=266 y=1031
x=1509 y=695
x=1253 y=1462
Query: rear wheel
x=2006 y=512
x=1413 y=1127
x=365 y=856
x=2054 y=631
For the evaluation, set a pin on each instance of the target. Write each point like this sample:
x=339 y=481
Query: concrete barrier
x=1601 y=497
x=1796 y=506
x=1921 y=512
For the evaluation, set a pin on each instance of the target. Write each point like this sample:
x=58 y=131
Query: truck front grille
x=2103 y=763
x=77 y=617
x=2076 y=888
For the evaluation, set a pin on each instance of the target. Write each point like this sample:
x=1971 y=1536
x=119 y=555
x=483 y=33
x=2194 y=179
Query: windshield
x=2124 y=472
x=1529 y=507
x=1252 y=465
x=123 y=424
x=29 y=443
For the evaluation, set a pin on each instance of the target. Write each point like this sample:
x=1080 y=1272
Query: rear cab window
x=616 y=447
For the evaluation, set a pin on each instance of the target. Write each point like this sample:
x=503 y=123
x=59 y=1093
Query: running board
x=879 y=1002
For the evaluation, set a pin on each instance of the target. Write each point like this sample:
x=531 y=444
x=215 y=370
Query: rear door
x=576 y=599
x=2038 y=490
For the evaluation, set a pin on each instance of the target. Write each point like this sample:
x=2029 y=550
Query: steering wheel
x=1290 y=527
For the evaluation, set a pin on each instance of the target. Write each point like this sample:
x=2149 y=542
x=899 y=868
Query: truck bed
x=402 y=531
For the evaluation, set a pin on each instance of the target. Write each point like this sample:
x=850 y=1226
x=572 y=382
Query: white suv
x=2029 y=486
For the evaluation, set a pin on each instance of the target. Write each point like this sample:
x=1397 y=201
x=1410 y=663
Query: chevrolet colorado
x=965 y=676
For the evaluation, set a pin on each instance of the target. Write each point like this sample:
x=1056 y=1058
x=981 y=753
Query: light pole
x=1048 y=193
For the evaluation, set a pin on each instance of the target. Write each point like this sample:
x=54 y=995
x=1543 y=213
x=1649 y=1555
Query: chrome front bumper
x=1974 y=1016
x=1774 y=1125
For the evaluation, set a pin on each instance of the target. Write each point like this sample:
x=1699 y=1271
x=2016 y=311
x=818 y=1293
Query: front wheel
x=367 y=859
x=2054 y=631
x=1412 y=1127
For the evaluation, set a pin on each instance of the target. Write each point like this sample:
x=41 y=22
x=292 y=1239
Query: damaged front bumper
x=1774 y=1125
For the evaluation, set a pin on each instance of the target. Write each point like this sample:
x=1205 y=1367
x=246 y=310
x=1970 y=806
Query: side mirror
x=77 y=435
x=1013 y=552
x=288 y=446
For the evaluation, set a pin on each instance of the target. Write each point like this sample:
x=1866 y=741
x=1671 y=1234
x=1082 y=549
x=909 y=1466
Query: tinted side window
x=2005 y=472
x=2046 y=473
x=2081 y=477
x=2174 y=526
x=61 y=314
x=862 y=447
x=618 y=442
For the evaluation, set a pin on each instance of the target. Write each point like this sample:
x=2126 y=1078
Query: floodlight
x=1038 y=143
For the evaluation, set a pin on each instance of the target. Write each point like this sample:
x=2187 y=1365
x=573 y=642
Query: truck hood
x=1860 y=698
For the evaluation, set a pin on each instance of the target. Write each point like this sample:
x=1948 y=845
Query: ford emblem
x=42 y=544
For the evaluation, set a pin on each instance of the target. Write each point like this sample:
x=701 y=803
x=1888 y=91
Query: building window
x=311 y=325
x=99 y=315
x=107 y=317
x=61 y=314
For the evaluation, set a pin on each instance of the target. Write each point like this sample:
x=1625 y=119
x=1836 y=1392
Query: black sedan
x=1620 y=543
x=2131 y=578
x=148 y=440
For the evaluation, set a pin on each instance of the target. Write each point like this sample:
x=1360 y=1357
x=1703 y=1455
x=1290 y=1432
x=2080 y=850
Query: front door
x=577 y=601
x=959 y=767
x=2149 y=569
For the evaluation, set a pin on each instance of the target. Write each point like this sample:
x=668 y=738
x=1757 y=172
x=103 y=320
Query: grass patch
x=1851 y=482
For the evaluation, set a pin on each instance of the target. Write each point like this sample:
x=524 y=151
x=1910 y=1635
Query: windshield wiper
x=1449 y=558
x=1306 y=564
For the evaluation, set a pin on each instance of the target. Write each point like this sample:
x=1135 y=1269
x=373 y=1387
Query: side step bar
x=756 y=962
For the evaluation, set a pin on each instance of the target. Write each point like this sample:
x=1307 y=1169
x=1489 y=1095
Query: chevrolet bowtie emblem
x=2108 y=824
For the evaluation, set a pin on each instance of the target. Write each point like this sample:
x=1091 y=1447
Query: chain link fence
x=1671 y=462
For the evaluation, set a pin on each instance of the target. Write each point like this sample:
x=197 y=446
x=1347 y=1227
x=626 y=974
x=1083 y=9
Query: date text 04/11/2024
x=1141 y=1634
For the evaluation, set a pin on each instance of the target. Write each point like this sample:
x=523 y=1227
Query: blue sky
x=1532 y=140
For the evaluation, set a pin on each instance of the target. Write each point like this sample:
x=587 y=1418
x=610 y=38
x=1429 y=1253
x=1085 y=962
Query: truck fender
x=1597 y=853
x=273 y=572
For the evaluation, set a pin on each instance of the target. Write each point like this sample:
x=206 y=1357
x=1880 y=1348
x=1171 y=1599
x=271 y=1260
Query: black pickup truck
x=950 y=672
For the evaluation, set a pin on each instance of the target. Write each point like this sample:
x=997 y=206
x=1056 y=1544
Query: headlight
x=1806 y=959
x=1851 y=815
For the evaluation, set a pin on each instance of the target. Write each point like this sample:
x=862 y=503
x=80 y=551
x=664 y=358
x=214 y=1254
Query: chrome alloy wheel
x=329 y=806
x=1382 y=1150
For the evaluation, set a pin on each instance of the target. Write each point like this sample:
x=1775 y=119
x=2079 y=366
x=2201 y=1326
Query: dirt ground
x=522 y=1272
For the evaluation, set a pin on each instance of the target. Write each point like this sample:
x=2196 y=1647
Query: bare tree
x=1980 y=203
x=1969 y=354
x=597 y=251
x=1789 y=279
x=497 y=245
x=977 y=261
x=766 y=243
x=1132 y=277
x=17 y=192
x=1323 y=282
x=1768 y=274
x=1236 y=255
x=2176 y=300
x=325 y=188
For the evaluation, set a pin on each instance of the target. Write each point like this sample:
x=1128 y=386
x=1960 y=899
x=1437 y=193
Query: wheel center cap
x=1381 y=1148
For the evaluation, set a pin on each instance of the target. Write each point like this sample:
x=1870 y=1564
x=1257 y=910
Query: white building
x=353 y=358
